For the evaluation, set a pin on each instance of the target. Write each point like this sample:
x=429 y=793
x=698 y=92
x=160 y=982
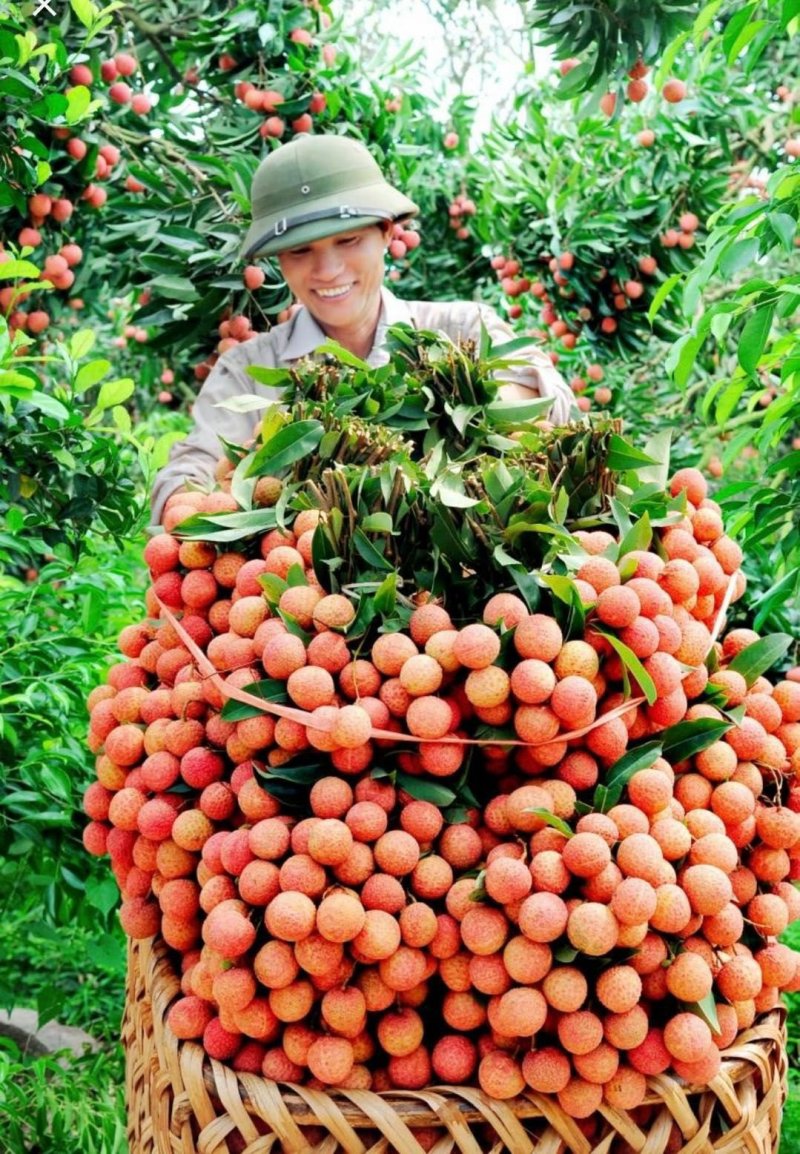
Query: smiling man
x=322 y=206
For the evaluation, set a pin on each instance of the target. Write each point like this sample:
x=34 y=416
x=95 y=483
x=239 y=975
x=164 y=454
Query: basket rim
x=424 y=1105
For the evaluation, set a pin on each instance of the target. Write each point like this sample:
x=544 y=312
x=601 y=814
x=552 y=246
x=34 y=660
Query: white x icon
x=43 y=4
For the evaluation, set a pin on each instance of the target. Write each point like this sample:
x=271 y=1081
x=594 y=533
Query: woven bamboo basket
x=181 y=1102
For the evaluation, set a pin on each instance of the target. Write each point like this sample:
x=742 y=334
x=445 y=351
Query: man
x=322 y=206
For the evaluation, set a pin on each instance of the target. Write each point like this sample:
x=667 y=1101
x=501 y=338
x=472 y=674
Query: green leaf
x=566 y=591
x=574 y=81
x=632 y=664
x=296 y=576
x=720 y=323
x=92 y=372
x=669 y=58
x=738 y=21
x=385 y=596
x=379 y=522
x=784 y=227
x=47 y=404
x=289 y=782
x=15 y=269
x=369 y=553
x=563 y=587
x=622 y=518
x=682 y=356
x=617 y=777
x=267 y=690
x=729 y=398
x=684 y=740
x=112 y=392
x=662 y=293
x=79 y=98
x=565 y=954
x=517 y=412
x=290 y=444
x=242 y=487
x=122 y=419
x=479 y=893
x=16 y=384
x=638 y=537
x=658 y=447
x=747 y=34
x=705 y=17
x=81 y=343
x=85 y=11
x=623 y=456
x=706 y=1009
x=754 y=338
x=551 y=819
x=777 y=595
x=181 y=238
x=294 y=626
x=226 y=527
x=274 y=587
x=49 y=1001
x=757 y=658
x=424 y=790
x=102 y=893
x=449 y=489
x=740 y=254
x=325 y=557
x=334 y=349
x=273 y=377
x=175 y=288
x=244 y=403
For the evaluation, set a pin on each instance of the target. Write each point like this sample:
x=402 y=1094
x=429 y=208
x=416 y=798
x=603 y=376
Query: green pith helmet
x=317 y=186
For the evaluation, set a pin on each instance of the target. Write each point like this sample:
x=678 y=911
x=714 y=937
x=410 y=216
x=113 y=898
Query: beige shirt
x=194 y=458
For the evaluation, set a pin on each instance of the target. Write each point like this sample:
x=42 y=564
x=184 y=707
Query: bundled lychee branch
x=401 y=824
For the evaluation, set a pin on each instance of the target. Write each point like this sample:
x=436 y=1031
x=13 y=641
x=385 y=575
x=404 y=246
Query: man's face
x=338 y=278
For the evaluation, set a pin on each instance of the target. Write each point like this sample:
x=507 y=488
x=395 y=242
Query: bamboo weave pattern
x=181 y=1102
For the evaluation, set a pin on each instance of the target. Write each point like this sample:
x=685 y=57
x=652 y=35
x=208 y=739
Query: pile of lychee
x=445 y=900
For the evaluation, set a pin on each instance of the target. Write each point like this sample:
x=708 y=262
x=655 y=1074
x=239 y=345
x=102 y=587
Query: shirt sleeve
x=194 y=458
x=461 y=320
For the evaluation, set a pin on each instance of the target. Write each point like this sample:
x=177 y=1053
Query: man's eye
x=349 y=240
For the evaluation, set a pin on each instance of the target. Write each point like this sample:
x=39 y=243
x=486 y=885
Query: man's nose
x=327 y=263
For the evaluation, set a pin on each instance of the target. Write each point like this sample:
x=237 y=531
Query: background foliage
x=121 y=210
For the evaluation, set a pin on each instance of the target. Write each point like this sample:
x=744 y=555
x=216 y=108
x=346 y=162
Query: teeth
x=337 y=292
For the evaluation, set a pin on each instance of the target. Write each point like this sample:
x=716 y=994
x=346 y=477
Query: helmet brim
x=268 y=236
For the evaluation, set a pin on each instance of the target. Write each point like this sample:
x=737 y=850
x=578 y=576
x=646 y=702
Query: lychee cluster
x=115 y=72
x=618 y=294
x=594 y=909
x=460 y=207
x=683 y=237
x=233 y=329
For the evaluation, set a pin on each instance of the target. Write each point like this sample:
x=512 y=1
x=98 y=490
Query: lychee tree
x=751 y=398
x=596 y=206
x=732 y=372
x=618 y=37
x=171 y=130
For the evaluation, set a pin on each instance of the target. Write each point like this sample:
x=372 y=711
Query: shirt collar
x=306 y=335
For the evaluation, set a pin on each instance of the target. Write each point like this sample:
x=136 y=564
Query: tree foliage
x=616 y=35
